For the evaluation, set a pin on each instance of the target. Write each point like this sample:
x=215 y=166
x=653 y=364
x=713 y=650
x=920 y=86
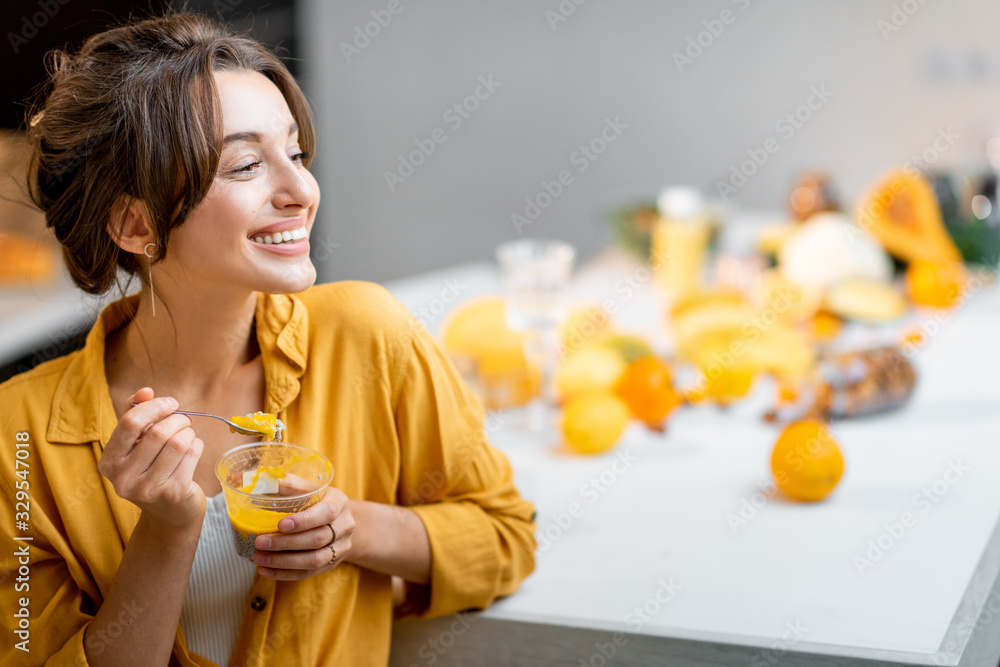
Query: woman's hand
x=312 y=541
x=150 y=459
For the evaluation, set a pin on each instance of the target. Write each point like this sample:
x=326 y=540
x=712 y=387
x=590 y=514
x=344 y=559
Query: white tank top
x=218 y=591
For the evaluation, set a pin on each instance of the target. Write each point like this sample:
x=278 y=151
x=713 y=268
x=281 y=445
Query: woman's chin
x=291 y=279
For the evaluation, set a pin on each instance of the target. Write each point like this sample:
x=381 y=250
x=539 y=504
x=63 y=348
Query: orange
x=593 y=422
x=647 y=388
x=937 y=284
x=806 y=462
x=823 y=327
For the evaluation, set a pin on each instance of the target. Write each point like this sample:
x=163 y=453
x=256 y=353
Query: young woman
x=173 y=150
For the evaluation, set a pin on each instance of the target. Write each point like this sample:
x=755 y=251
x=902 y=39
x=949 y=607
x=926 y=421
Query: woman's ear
x=129 y=225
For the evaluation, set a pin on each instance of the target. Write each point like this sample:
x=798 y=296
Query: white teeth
x=282 y=237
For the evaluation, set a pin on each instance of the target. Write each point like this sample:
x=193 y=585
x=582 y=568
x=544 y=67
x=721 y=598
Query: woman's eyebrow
x=252 y=135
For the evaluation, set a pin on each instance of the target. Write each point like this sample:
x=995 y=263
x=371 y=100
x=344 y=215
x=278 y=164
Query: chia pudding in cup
x=266 y=481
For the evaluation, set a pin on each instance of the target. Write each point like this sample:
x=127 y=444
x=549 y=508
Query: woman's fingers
x=307 y=540
x=134 y=422
x=293 y=563
x=151 y=457
x=170 y=453
x=151 y=443
x=306 y=551
x=325 y=511
x=313 y=559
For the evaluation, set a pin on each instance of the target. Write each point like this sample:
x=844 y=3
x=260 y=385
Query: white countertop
x=673 y=514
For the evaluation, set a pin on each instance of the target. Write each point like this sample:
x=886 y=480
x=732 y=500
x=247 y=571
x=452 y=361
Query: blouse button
x=258 y=603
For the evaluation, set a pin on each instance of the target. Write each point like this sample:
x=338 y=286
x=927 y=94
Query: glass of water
x=534 y=272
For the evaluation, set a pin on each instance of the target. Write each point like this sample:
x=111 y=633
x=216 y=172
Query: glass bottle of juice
x=680 y=240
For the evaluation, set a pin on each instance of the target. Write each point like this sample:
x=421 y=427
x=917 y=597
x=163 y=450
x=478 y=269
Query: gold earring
x=152 y=299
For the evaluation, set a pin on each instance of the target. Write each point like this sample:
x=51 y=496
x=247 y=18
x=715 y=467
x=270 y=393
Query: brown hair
x=135 y=115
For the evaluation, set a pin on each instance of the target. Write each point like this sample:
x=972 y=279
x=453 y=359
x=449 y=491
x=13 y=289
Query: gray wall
x=892 y=93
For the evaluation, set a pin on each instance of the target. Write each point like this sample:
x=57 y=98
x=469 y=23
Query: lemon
x=593 y=422
x=582 y=326
x=594 y=368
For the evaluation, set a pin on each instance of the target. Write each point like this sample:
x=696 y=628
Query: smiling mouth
x=288 y=236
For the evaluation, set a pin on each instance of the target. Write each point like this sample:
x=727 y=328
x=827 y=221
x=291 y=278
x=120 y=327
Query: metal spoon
x=236 y=427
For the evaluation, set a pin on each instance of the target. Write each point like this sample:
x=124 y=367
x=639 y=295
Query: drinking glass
x=534 y=272
x=302 y=476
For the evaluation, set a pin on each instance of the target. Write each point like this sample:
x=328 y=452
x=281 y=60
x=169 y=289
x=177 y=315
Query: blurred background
x=517 y=92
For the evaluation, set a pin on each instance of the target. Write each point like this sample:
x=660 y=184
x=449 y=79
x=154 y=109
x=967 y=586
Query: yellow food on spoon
x=266 y=424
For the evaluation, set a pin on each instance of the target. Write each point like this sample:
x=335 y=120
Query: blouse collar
x=81 y=406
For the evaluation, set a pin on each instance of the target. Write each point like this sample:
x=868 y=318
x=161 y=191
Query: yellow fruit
x=478 y=330
x=865 y=300
x=699 y=315
x=806 y=461
x=781 y=351
x=593 y=422
x=776 y=349
x=786 y=300
x=937 y=284
x=903 y=213
x=594 y=368
x=582 y=326
x=725 y=384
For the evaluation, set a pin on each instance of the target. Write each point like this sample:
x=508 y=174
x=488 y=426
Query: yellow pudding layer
x=264 y=423
x=256 y=520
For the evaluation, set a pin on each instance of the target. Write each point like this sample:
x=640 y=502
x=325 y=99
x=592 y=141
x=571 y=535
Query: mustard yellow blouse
x=353 y=375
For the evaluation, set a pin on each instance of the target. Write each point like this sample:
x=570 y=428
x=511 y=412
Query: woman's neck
x=193 y=345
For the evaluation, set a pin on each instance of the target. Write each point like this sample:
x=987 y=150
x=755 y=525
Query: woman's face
x=252 y=228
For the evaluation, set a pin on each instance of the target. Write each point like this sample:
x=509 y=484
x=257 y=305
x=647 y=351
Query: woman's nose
x=295 y=186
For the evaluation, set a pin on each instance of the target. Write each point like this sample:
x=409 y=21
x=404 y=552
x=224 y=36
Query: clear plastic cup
x=302 y=478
